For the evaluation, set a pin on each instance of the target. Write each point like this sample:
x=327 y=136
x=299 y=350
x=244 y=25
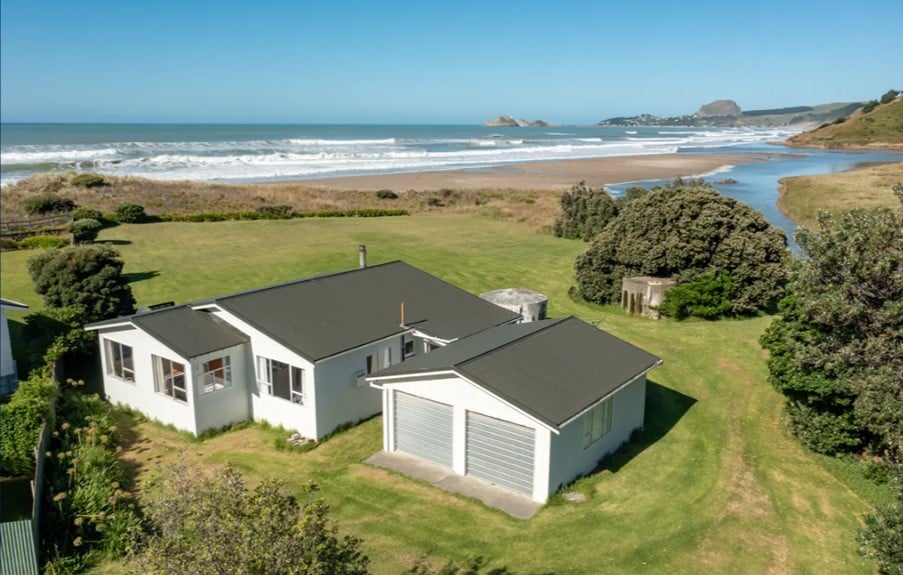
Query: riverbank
x=802 y=197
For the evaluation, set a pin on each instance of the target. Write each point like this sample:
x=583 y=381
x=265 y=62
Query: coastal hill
x=726 y=113
x=510 y=122
x=873 y=126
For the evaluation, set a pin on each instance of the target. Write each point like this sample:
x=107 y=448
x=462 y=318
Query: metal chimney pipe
x=362 y=256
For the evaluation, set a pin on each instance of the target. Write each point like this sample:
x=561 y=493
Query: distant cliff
x=509 y=122
x=726 y=113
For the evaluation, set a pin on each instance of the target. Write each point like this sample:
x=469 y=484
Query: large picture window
x=120 y=361
x=379 y=360
x=597 y=422
x=281 y=379
x=217 y=374
x=169 y=378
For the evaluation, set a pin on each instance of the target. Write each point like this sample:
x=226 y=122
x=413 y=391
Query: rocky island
x=510 y=122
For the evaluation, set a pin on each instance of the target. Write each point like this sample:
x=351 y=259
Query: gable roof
x=188 y=332
x=552 y=370
x=323 y=316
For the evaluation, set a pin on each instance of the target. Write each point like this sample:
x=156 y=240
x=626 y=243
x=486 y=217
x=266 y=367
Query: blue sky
x=434 y=62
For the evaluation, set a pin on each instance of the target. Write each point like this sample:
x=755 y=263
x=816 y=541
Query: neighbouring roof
x=553 y=370
x=322 y=316
x=10 y=304
x=188 y=332
x=18 y=555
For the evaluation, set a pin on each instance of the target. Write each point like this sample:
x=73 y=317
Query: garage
x=500 y=452
x=423 y=428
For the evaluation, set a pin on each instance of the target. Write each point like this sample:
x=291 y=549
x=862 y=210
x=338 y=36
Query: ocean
x=260 y=153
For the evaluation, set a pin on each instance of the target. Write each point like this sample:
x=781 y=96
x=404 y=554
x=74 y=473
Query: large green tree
x=686 y=230
x=584 y=212
x=214 y=525
x=88 y=278
x=835 y=350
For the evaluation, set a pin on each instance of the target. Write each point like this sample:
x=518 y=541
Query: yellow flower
x=77 y=542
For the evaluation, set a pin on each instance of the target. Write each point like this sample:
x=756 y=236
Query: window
x=379 y=360
x=281 y=379
x=120 y=361
x=597 y=422
x=169 y=378
x=408 y=349
x=217 y=374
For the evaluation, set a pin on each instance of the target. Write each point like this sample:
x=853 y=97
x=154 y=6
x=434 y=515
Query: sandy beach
x=552 y=175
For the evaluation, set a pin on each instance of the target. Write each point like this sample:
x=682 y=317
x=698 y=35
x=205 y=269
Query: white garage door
x=500 y=452
x=423 y=428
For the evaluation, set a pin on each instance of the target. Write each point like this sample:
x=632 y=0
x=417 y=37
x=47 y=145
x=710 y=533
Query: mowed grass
x=713 y=485
x=802 y=197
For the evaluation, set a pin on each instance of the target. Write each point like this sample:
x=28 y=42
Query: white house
x=529 y=407
x=460 y=382
x=294 y=354
x=9 y=379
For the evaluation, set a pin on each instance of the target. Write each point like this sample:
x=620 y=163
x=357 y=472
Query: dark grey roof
x=321 y=316
x=551 y=369
x=188 y=332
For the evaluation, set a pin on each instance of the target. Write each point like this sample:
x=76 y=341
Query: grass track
x=713 y=485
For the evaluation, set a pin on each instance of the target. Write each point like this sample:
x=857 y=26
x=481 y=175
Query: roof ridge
x=552 y=323
x=326 y=275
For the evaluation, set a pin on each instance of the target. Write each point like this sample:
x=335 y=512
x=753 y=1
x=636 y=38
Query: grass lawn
x=713 y=485
x=802 y=197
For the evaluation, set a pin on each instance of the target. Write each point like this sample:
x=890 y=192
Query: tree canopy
x=683 y=231
x=87 y=277
x=213 y=524
x=584 y=212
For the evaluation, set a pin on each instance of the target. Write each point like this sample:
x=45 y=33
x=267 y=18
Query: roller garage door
x=423 y=428
x=500 y=452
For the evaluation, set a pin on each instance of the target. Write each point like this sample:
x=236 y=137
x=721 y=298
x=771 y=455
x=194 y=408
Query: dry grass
x=802 y=197
x=535 y=208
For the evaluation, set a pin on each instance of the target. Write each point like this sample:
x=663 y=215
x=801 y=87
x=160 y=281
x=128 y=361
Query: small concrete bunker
x=531 y=305
x=643 y=294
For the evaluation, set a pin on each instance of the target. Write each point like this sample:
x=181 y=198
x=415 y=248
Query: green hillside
x=880 y=128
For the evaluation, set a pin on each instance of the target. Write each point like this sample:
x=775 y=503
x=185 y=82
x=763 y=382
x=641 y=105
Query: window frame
x=162 y=377
x=597 y=422
x=226 y=378
x=111 y=362
x=378 y=360
x=295 y=383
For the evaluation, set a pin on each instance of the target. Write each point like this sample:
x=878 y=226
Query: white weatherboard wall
x=569 y=459
x=342 y=397
x=229 y=405
x=265 y=407
x=464 y=396
x=140 y=394
x=7 y=365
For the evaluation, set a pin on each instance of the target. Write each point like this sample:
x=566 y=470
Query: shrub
x=889 y=96
x=85 y=230
x=434 y=203
x=386 y=195
x=840 y=120
x=47 y=204
x=882 y=538
x=281 y=210
x=20 y=423
x=43 y=242
x=708 y=296
x=83 y=213
x=584 y=212
x=130 y=213
x=88 y=180
x=869 y=106
x=8 y=244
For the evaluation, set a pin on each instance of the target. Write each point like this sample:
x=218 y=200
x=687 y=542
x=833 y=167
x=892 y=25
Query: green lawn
x=714 y=485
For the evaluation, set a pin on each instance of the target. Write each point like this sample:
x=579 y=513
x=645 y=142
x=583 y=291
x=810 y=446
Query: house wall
x=342 y=394
x=465 y=396
x=140 y=394
x=568 y=458
x=229 y=405
x=7 y=365
x=264 y=407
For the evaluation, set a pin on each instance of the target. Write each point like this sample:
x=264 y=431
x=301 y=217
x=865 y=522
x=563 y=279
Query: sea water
x=248 y=153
